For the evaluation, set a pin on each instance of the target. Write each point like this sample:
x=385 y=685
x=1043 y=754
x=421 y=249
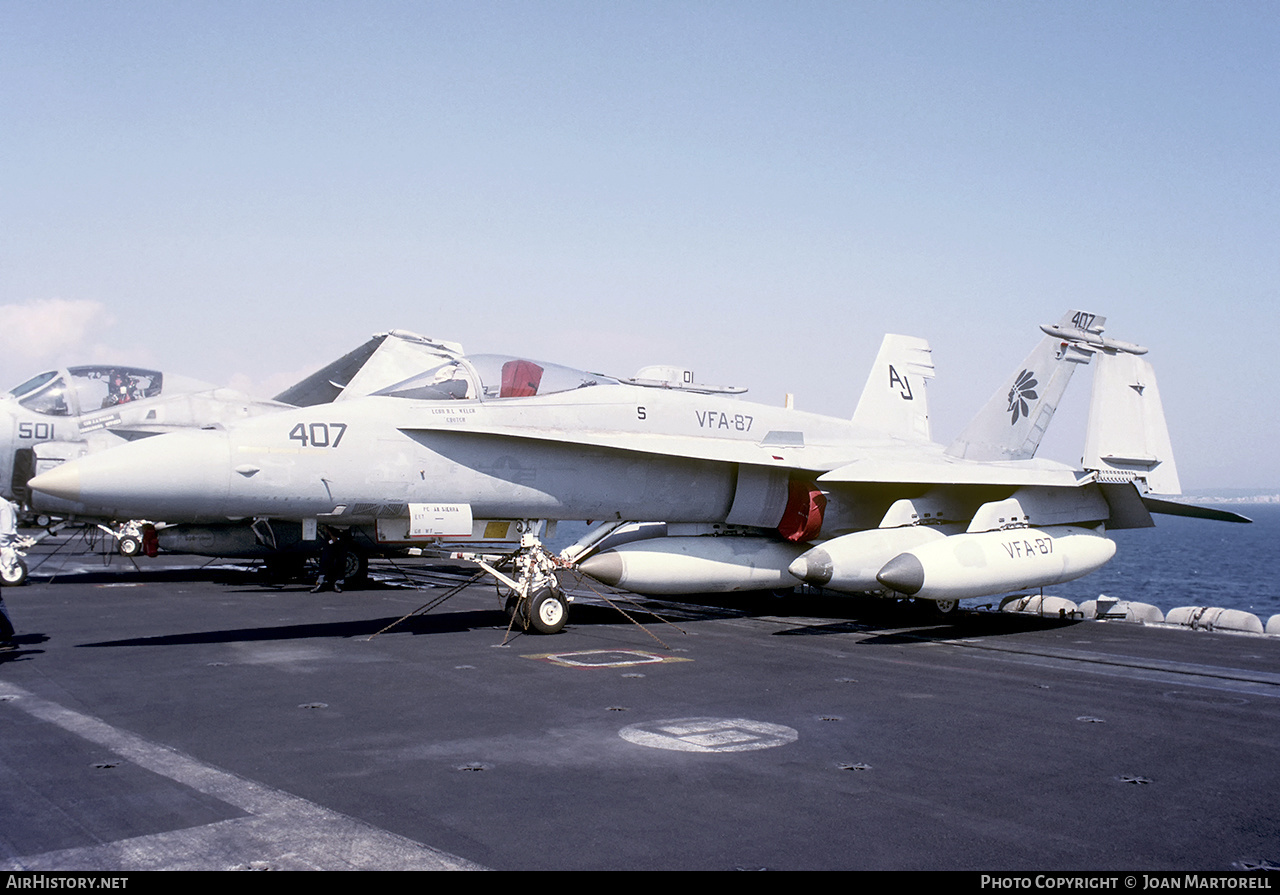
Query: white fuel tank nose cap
x=903 y=574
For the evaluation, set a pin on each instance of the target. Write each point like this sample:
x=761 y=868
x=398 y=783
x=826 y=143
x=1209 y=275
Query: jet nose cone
x=63 y=481
x=168 y=477
x=605 y=567
x=813 y=567
x=904 y=574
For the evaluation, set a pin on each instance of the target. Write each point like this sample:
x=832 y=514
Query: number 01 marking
x=318 y=434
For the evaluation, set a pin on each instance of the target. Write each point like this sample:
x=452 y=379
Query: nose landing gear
x=537 y=601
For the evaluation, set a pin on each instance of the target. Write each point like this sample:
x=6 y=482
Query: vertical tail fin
x=1012 y=423
x=1127 y=437
x=894 y=400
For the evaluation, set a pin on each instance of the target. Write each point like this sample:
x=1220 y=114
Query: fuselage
x=508 y=439
x=611 y=452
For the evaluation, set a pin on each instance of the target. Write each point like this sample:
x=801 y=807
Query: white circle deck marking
x=709 y=734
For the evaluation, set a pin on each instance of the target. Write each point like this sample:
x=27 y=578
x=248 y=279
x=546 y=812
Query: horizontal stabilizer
x=1173 y=508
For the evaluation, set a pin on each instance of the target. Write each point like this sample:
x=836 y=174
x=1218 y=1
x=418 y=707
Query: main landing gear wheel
x=355 y=566
x=129 y=546
x=14 y=574
x=946 y=610
x=548 y=611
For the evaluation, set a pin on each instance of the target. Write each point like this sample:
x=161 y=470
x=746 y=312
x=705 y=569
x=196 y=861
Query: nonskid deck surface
x=186 y=718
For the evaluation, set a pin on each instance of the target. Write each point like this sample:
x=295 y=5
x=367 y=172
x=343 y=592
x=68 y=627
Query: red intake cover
x=802 y=519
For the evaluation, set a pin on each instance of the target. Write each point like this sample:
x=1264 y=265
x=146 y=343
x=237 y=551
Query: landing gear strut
x=536 y=600
x=133 y=538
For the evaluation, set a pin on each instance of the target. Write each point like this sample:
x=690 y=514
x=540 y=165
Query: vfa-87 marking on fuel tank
x=1029 y=548
x=752 y=497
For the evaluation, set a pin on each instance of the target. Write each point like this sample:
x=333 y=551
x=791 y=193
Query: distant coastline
x=1234 y=498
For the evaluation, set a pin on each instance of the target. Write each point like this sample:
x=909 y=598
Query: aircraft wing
x=946 y=471
x=781 y=451
x=384 y=360
x=322 y=386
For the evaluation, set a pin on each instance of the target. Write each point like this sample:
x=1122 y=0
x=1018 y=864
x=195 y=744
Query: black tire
x=15 y=576
x=548 y=611
x=129 y=546
x=355 y=566
x=946 y=610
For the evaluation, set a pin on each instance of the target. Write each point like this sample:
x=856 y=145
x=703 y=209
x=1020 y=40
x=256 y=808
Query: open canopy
x=78 y=390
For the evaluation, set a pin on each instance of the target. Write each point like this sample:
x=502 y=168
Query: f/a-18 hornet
x=751 y=496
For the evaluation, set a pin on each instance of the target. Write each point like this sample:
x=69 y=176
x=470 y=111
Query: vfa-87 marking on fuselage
x=693 y=500
x=718 y=419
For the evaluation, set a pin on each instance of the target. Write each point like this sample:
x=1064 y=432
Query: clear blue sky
x=241 y=191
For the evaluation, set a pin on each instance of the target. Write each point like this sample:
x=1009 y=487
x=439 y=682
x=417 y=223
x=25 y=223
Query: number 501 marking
x=318 y=434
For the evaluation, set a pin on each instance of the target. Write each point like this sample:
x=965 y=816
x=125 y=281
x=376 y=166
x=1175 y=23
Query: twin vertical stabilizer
x=894 y=399
x=1127 y=437
x=1012 y=423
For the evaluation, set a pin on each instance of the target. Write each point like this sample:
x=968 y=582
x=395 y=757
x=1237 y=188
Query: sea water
x=1193 y=562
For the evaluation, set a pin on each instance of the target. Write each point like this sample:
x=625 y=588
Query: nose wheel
x=536 y=600
x=13 y=571
x=548 y=610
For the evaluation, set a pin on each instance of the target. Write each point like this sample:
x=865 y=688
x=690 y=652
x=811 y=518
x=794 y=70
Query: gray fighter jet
x=64 y=414
x=745 y=496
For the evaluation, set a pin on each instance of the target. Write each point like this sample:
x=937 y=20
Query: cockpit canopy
x=493 y=376
x=78 y=390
